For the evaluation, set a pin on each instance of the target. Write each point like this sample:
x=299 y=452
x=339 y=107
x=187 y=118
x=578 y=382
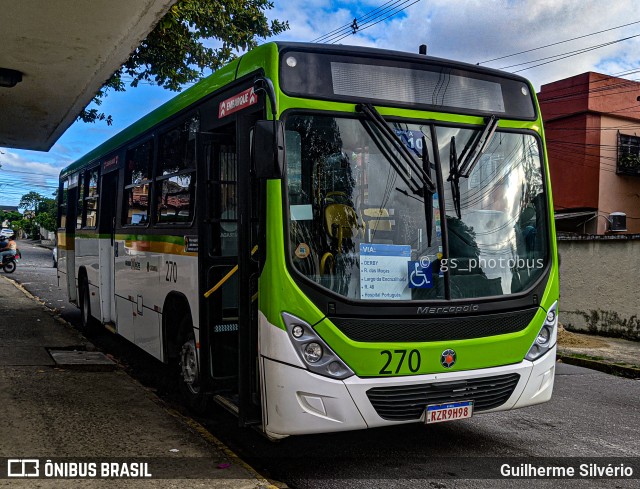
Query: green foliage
x=30 y=201
x=10 y=216
x=44 y=212
x=174 y=53
x=47 y=220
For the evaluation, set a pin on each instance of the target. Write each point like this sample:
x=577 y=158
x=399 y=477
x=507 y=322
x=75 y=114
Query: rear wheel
x=189 y=377
x=10 y=266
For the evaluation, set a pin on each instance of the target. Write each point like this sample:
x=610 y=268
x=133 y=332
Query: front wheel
x=10 y=266
x=189 y=378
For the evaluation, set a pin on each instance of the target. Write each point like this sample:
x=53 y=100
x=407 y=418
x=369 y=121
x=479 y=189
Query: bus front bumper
x=298 y=402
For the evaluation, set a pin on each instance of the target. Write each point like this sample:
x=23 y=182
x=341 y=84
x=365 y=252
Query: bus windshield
x=358 y=229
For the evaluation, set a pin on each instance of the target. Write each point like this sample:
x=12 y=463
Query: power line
x=570 y=54
x=559 y=42
x=371 y=18
x=360 y=29
x=348 y=26
x=56 y=176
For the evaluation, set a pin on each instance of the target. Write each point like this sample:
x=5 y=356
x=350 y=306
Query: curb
x=193 y=425
x=608 y=368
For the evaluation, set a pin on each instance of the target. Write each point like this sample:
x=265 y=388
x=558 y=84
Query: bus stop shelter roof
x=65 y=51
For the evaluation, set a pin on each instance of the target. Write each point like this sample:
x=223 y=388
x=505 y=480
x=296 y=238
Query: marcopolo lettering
x=448 y=309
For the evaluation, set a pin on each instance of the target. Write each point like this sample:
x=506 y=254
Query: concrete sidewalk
x=85 y=415
x=615 y=356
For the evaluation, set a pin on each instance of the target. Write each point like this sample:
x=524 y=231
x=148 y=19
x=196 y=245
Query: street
x=591 y=414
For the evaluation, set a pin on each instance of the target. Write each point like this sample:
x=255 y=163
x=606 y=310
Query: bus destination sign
x=238 y=102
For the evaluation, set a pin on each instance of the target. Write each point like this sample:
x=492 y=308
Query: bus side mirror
x=268 y=149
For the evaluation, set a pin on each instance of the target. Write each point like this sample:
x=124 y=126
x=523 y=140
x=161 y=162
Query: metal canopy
x=65 y=50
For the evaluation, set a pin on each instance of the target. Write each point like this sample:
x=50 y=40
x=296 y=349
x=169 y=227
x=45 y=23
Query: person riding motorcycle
x=8 y=248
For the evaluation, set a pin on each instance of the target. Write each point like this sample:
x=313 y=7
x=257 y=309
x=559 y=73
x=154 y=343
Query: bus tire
x=188 y=371
x=87 y=322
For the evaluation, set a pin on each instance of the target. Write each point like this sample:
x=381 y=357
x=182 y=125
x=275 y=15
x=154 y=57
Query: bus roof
x=242 y=65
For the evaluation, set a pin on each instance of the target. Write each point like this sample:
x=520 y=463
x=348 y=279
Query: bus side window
x=80 y=202
x=91 y=199
x=136 y=184
x=175 y=180
x=62 y=199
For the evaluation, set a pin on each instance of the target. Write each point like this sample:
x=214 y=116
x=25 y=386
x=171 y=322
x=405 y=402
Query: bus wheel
x=85 y=306
x=189 y=369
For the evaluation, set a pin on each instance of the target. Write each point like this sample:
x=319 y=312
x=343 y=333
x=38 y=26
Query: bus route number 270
x=395 y=359
x=172 y=271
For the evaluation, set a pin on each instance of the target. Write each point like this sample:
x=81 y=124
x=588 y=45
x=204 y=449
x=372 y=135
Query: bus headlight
x=547 y=336
x=314 y=352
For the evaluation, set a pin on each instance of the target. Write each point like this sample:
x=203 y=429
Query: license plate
x=438 y=413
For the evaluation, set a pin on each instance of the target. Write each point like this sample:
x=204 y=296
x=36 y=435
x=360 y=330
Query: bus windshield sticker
x=383 y=271
x=238 y=102
x=303 y=250
x=421 y=273
x=302 y=212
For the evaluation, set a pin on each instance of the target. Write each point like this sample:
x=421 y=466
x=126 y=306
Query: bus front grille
x=436 y=329
x=408 y=402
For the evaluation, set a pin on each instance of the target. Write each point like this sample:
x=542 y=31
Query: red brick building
x=592 y=125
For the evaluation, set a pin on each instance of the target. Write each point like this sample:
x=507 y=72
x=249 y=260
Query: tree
x=174 y=53
x=30 y=201
x=10 y=216
x=44 y=212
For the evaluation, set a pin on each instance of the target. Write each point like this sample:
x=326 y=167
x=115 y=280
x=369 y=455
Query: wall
x=600 y=284
x=573 y=147
x=566 y=97
x=618 y=193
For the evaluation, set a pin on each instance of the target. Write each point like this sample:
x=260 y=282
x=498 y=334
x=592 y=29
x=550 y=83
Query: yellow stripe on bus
x=157 y=247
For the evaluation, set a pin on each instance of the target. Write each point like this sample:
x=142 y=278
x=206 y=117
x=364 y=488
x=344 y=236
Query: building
x=592 y=125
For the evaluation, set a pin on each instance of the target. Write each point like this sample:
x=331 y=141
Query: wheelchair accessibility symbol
x=420 y=274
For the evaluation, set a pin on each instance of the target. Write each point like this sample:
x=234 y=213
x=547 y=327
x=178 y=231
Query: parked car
x=6 y=232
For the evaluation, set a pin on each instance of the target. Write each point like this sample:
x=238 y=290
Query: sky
x=472 y=31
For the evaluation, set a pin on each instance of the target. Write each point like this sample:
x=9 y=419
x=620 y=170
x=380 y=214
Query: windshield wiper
x=462 y=168
x=424 y=187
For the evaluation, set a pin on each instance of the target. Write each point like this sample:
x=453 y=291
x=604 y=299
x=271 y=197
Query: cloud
x=465 y=30
x=477 y=30
x=20 y=175
x=14 y=162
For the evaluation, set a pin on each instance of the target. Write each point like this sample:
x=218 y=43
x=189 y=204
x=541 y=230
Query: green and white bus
x=327 y=238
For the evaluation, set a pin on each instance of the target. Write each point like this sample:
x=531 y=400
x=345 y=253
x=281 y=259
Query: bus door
x=227 y=272
x=108 y=203
x=69 y=240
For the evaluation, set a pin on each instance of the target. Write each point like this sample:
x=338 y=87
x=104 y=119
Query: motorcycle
x=9 y=263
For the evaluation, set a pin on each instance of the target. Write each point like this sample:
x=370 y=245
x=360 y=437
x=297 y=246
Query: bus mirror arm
x=265 y=85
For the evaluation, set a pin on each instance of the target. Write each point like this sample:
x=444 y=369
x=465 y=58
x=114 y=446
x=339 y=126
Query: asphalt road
x=592 y=418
